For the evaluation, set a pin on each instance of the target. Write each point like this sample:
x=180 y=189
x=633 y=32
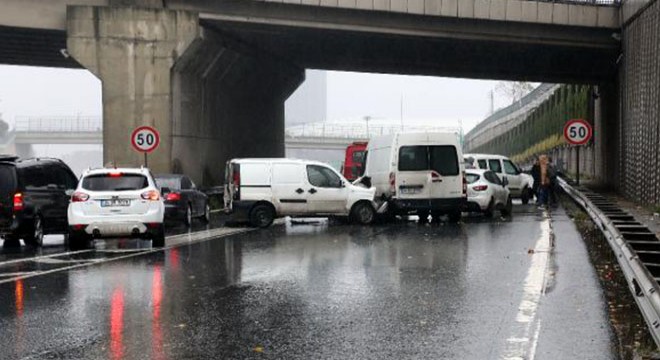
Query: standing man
x=544 y=186
x=536 y=175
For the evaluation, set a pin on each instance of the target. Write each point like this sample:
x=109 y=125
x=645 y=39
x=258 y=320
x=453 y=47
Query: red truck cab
x=354 y=161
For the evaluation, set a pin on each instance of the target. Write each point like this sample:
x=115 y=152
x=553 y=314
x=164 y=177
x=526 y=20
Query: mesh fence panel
x=640 y=108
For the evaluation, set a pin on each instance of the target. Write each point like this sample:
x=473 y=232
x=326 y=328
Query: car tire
x=363 y=213
x=158 y=239
x=455 y=216
x=508 y=208
x=423 y=216
x=77 y=241
x=36 y=238
x=525 y=195
x=11 y=241
x=262 y=216
x=187 y=220
x=490 y=209
x=206 y=217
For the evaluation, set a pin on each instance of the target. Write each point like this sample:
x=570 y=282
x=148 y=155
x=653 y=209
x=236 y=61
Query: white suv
x=116 y=203
x=520 y=184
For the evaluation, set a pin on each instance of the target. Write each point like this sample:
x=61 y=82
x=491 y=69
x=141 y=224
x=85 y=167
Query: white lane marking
x=179 y=240
x=18 y=273
x=16 y=261
x=518 y=345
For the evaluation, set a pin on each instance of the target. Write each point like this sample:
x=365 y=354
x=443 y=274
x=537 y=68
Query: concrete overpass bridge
x=213 y=75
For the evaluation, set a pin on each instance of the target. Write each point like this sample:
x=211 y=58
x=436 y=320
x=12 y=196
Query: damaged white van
x=418 y=173
x=259 y=190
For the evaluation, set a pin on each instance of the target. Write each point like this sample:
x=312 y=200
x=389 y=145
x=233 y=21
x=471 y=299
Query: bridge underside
x=34 y=47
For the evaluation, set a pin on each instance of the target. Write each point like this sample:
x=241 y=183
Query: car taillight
x=465 y=184
x=480 y=188
x=392 y=182
x=152 y=195
x=236 y=181
x=79 y=197
x=173 y=196
x=18 y=202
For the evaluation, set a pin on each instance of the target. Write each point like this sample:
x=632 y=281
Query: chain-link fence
x=59 y=124
x=639 y=128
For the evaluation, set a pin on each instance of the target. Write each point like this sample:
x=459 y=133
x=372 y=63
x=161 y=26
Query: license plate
x=409 y=191
x=115 y=202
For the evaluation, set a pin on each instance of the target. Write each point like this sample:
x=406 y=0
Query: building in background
x=310 y=102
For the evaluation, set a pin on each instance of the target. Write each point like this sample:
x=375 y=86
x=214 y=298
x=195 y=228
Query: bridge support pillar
x=606 y=144
x=132 y=50
x=210 y=99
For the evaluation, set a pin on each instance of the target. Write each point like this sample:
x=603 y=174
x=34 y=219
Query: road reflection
x=117 y=324
x=156 y=301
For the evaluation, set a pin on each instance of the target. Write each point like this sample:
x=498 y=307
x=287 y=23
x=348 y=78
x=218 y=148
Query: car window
x=510 y=168
x=482 y=164
x=112 y=182
x=34 y=178
x=444 y=160
x=492 y=177
x=358 y=156
x=322 y=176
x=62 y=178
x=186 y=184
x=495 y=165
x=172 y=183
x=413 y=158
x=471 y=178
x=8 y=183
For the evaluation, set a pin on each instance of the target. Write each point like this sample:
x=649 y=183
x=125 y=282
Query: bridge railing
x=58 y=124
x=358 y=131
x=584 y=2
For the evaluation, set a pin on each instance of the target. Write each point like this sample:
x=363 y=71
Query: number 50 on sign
x=578 y=132
x=145 y=139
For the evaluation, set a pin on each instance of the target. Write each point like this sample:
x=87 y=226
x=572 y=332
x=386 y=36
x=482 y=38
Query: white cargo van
x=258 y=190
x=418 y=173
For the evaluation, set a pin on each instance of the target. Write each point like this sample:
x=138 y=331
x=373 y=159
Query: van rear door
x=7 y=191
x=289 y=189
x=446 y=180
x=413 y=177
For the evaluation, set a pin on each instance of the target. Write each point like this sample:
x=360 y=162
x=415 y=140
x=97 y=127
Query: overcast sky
x=32 y=91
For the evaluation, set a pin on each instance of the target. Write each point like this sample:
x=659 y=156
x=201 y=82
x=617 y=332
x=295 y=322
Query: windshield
x=108 y=182
x=172 y=183
x=471 y=178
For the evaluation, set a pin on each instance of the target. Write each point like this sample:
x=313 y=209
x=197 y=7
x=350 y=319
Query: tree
x=513 y=90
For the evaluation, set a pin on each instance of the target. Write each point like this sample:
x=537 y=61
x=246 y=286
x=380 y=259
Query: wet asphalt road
x=483 y=289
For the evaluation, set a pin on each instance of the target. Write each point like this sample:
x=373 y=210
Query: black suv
x=34 y=197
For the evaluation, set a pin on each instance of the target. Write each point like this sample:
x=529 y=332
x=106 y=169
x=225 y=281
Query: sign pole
x=577 y=172
x=145 y=160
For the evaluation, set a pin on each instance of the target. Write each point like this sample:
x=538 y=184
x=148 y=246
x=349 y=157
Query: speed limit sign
x=578 y=132
x=145 y=139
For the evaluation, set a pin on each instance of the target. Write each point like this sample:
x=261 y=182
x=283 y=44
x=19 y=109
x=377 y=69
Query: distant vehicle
x=34 y=196
x=116 y=203
x=418 y=173
x=487 y=193
x=354 y=161
x=183 y=201
x=258 y=190
x=520 y=184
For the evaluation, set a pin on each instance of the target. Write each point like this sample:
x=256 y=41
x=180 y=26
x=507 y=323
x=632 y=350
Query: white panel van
x=258 y=190
x=418 y=173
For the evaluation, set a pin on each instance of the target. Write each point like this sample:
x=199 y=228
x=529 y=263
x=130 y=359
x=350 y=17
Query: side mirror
x=505 y=182
x=165 y=190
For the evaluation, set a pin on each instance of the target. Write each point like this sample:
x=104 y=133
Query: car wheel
x=11 y=241
x=455 y=216
x=261 y=216
x=188 y=219
x=508 y=209
x=363 y=213
x=207 y=214
x=37 y=237
x=158 y=239
x=525 y=195
x=490 y=209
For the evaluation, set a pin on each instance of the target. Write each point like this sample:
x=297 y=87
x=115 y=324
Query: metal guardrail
x=585 y=2
x=636 y=248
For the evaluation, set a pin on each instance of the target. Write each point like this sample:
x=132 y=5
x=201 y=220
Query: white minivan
x=418 y=173
x=520 y=184
x=258 y=190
